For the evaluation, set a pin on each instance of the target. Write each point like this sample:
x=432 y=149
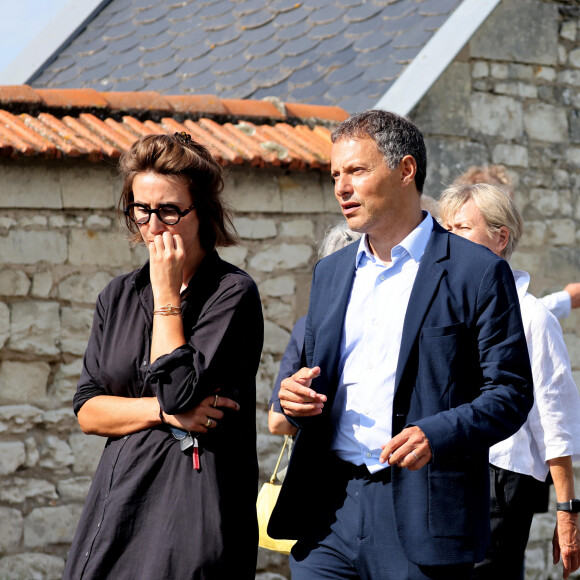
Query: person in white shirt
x=559 y=303
x=550 y=438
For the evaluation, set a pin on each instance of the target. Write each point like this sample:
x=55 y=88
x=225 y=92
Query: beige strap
x=273 y=478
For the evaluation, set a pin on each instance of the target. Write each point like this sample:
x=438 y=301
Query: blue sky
x=21 y=21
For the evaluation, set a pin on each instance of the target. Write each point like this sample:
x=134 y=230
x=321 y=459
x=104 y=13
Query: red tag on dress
x=195 y=454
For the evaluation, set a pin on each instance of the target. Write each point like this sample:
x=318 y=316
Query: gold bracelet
x=168 y=310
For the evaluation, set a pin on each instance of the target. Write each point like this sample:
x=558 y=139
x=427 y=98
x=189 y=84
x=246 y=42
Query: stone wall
x=61 y=242
x=512 y=96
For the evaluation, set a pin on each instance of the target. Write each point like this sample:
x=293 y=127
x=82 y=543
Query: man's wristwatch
x=572 y=505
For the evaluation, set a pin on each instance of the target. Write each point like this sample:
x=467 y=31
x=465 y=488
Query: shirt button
x=382 y=277
x=369 y=454
x=86 y=554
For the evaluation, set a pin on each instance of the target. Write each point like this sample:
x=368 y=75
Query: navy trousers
x=358 y=542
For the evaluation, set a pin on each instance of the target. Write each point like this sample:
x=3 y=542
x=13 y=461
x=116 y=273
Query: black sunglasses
x=168 y=213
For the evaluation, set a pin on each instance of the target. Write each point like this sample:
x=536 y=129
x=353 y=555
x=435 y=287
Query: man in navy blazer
x=415 y=363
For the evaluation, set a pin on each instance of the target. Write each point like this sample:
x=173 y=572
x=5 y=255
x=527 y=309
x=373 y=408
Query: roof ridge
x=153 y=105
x=90 y=125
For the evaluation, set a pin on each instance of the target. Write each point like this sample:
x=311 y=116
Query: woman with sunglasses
x=169 y=378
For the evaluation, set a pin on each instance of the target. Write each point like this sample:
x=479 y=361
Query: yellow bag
x=267 y=499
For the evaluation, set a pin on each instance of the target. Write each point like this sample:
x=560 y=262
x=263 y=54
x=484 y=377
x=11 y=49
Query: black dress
x=149 y=514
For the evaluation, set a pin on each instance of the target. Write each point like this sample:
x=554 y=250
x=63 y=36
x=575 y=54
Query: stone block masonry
x=61 y=242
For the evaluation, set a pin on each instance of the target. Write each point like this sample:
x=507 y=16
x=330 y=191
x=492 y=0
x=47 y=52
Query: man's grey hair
x=394 y=135
x=495 y=204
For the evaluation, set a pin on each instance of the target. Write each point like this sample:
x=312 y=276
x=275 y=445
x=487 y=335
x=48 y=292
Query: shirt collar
x=414 y=244
x=522 y=280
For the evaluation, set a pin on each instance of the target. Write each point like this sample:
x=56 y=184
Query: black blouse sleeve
x=90 y=384
x=223 y=349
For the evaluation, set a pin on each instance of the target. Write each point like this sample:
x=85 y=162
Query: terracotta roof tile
x=124 y=132
x=315 y=112
x=87 y=134
x=258 y=156
x=295 y=137
x=154 y=127
x=140 y=129
x=270 y=140
x=71 y=140
x=213 y=143
x=279 y=135
x=322 y=132
x=61 y=146
x=137 y=101
x=19 y=93
x=205 y=104
x=71 y=98
x=254 y=133
x=106 y=132
x=230 y=140
x=215 y=146
x=317 y=141
x=309 y=141
x=19 y=129
x=11 y=144
x=250 y=108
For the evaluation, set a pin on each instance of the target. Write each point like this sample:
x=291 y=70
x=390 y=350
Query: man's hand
x=566 y=542
x=410 y=449
x=297 y=398
x=574 y=290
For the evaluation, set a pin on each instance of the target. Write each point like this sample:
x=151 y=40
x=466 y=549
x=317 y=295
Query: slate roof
x=86 y=124
x=345 y=53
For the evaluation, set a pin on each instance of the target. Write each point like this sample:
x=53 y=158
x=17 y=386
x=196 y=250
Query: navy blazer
x=463 y=377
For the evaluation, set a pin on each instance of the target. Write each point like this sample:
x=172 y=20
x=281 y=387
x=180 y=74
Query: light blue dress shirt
x=369 y=350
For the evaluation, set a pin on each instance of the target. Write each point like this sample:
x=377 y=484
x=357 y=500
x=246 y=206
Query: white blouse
x=552 y=428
